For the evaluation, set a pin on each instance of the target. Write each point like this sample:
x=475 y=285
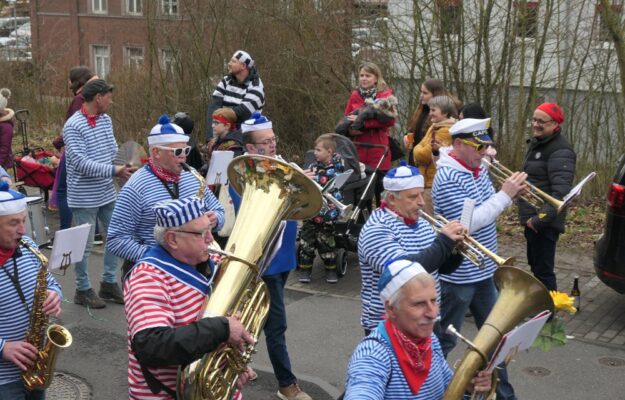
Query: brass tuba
x=271 y=190
x=39 y=375
x=520 y=296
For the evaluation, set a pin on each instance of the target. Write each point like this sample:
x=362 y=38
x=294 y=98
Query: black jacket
x=550 y=166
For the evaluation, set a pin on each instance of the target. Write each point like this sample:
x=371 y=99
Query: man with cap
x=242 y=90
x=259 y=138
x=395 y=230
x=402 y=358
x=90 y=149
x=461 y=176
x=18 y=278
x=131 y=232
x=550 y=166
x=164 y=294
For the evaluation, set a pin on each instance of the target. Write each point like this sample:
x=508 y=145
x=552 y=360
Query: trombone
x=470 y=248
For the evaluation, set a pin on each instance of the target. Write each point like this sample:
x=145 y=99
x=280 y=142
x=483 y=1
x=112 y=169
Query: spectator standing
x=7 y=123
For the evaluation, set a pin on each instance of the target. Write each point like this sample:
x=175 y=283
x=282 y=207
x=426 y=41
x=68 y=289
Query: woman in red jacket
x=371 y=86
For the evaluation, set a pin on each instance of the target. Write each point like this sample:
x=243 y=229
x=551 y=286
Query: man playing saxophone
x=461 y=176
x=18 y=281
x=164 y=293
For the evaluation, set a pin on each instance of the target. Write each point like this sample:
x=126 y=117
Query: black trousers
x=541 y=255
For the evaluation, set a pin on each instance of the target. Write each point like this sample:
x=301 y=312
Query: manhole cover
x=612 y=361
x=536 y=371
x=67 y=387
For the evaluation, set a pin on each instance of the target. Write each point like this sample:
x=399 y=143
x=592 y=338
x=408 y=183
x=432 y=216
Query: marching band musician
x=394 y=231
x=461 y=176
x=164 y=293
x=402 y=358
x=18 y=280
x=131 y=232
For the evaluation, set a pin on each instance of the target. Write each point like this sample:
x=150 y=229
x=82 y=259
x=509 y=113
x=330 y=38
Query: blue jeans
x=479 y=298
x=17 y=391
x=275 y=328
x=90 y=216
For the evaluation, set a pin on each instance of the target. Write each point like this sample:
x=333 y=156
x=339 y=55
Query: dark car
x=610 y=248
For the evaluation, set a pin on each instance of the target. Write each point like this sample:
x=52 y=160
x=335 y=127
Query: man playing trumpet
x=461 y=176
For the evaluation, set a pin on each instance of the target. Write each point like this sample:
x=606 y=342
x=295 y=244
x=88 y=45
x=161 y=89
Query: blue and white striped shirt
x=383 y=238
x=131 y=231
x=14 y=318
x=374 y=373
x=89 y=154
x=452 y=184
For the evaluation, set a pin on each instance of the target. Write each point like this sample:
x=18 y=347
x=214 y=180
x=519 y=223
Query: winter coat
x=6 y=138
x=375 y=132
x=550 y=166
x=422 y=152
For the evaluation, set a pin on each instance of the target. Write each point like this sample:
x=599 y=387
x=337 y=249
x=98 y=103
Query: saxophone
x=39 y=375
x=198 y=176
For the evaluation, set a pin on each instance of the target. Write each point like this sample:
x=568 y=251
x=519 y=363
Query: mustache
x=428 y=321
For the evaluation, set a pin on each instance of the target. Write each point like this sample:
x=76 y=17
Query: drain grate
x=536 y=371
x=68 y=387
x=612 y=361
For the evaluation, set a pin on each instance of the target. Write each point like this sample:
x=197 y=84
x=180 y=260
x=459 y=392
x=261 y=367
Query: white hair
x=386 y=193
x=159 y=234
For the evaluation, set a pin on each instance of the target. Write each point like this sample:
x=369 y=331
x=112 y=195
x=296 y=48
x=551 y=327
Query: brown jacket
x=422 y=152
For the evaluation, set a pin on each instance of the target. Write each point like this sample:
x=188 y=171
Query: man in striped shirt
x=242 y=90
x=131 y=232
x=164 y=294
x=90 y=149
x=19 y=268
x=461 y=176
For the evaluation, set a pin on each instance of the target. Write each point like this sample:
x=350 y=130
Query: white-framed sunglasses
x=177 y=151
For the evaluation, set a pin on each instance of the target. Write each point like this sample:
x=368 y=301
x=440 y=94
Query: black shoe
x=88 y=298
x=111 y=292
x=304 y=275
x=332 y=276
x=97 y=239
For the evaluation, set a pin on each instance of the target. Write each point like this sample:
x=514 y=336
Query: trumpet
x=327 y=197
x=470 y=248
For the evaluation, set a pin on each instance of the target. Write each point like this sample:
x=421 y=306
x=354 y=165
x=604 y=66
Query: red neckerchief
x=407 y=221
x=414 y=358
x=5 y=254
x=91 y=118
x=163 y=174
x=474 y=171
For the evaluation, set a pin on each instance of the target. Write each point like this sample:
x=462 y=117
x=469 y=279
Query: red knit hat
x=553 y=110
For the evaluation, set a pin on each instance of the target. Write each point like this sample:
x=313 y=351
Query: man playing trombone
x=550 y=166
x=461 y=176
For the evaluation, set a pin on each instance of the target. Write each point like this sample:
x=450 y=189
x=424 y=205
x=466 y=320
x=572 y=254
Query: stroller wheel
x=341 y=262
x=22 y=190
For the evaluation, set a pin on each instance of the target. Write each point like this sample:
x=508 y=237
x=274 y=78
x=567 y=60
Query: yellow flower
x=563 y=301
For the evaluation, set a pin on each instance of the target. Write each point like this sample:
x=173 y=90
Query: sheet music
x=467 y=213
x=577 y=190
x=69 y=246
x=218 y=167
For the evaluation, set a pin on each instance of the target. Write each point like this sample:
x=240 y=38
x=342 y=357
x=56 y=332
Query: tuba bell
x=271 y=190
x=520 y=296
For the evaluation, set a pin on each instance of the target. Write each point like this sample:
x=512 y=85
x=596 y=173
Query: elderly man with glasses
x=131 y=231
x=461 y=176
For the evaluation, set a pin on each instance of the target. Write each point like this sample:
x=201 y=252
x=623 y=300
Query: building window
x=450 y=16
x=602 y=33
x=170 y=7
x=134 y=56
x=527 y=18
x=168 y=61
x=99 y=6
x=134 y=7
x=101 y=60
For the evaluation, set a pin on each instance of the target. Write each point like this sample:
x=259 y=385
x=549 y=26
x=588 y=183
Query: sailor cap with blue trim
x=244 y=57
x=11 y=202
x=395 y=275
x=402 y=178
x=166 y=132
x=174 y=213
x=471 y=128
x=257 y=122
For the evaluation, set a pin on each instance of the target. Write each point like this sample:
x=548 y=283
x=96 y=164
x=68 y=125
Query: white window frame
x=167 y=60
x=134 y=7
x=170 y=7
x=101 y=62
x=134 y=60
x=99 y=6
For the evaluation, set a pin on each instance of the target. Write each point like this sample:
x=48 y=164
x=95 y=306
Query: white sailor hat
x=395 y=275
x=471 y=128
x=166 y=132
x=402 y=178
x=256 y=122
x=173 y=213
x=244 y=57
x=11 y=202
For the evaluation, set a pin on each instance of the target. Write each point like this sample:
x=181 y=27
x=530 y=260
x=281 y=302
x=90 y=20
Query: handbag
x=229 y=214
x=397 y=150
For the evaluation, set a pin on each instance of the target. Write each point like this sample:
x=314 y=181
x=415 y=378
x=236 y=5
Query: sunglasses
x=177 y=151
x=476 y=146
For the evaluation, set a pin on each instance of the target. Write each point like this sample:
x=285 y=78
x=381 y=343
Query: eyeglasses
x=476 y=146
x=205 y=234
x=540 y=121
x=267 y=142
x=177 y=151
